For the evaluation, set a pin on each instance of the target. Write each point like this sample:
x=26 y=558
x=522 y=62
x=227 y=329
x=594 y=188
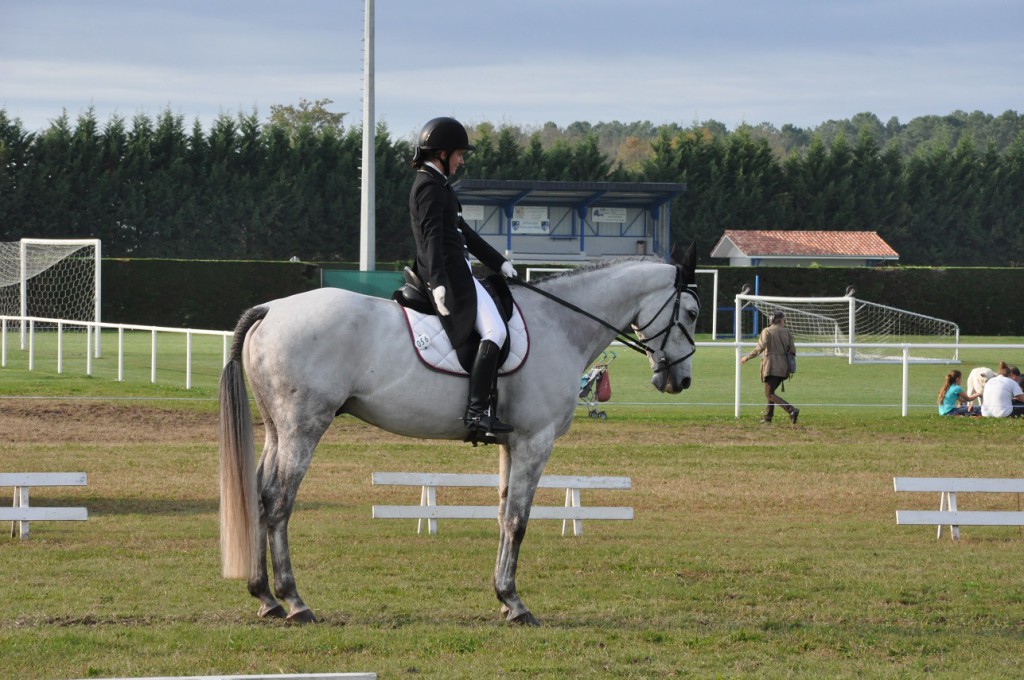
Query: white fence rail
x=904 y=348
x=92 y=329
x=92 y=333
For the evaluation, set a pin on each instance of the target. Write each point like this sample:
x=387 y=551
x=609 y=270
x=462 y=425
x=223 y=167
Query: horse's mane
x=594 y=266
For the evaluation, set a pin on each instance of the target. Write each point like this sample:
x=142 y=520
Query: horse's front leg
x=520 y=471
x=504 y=464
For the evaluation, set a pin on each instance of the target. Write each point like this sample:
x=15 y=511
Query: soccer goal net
x=50 y=279
x=848 y=321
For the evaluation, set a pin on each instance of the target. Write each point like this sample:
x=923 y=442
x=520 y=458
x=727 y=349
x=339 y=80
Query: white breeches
x=488 y=320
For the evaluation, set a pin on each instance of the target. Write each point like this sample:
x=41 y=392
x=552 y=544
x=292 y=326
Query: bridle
x=674 y=322
x=641 y=344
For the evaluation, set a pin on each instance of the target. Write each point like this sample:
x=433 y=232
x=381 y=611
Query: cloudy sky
x=524 y=62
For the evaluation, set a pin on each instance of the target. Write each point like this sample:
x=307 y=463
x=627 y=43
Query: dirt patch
x=50 y=421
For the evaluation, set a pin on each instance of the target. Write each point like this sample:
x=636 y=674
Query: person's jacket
x=443 y=240
x=776 y=343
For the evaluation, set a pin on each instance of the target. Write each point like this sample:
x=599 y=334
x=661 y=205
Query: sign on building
x=530 y=219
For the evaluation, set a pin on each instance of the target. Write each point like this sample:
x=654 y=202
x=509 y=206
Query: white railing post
x=853 y=327
x=737 y=378
x=120 y=354
x=905 y=398
x=152 y=357
x=738 y=333
x=60 y=347
x=188 y=360
x=31 y=343
x=89 y=332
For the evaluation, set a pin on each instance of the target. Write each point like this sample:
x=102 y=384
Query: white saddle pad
x=436 y=351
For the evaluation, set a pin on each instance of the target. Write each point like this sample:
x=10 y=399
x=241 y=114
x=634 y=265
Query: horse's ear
x=688 y=262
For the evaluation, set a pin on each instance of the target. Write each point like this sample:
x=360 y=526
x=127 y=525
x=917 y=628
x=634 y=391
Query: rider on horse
x=443 y=244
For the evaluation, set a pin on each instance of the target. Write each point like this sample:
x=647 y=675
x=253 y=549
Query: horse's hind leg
x=282 y=474
x=259 y=584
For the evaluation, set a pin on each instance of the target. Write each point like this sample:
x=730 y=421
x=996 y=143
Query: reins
x=636 y=345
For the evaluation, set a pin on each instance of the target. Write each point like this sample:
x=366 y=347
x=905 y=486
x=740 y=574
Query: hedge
x=213 y=294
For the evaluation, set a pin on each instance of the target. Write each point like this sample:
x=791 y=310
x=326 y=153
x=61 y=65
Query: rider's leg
x=489 y=325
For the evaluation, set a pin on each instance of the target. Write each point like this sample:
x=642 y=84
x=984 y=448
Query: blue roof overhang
x=577 y=195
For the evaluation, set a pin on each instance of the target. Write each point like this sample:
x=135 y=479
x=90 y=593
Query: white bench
x=22 y=513
x=948 y=514
x=428 y=509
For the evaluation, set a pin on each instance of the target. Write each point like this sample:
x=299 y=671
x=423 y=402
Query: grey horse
x=313 y=356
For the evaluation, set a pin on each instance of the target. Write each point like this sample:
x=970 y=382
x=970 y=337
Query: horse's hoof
x=275 y=612
x=504 y=611
x=525 y=619
x=302 y=616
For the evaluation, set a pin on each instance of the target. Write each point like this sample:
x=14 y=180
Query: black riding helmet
x=441 y=134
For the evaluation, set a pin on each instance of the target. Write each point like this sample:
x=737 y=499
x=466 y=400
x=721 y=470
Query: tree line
x=940 y=190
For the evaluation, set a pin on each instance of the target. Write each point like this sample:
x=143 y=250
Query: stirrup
x=487 y=424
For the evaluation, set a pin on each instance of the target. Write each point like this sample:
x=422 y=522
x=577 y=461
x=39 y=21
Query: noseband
x=673 y=322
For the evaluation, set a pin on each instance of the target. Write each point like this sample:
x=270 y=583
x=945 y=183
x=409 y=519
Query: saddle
x=413 y=296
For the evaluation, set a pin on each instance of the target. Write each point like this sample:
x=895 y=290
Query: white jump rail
x=428 y=509
x=299 y=676
x=22 y=512
x=948 y=514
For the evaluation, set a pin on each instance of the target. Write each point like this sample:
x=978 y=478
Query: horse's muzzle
x=670 y=383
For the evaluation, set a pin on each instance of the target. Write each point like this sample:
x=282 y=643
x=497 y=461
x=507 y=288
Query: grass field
x=755 y=552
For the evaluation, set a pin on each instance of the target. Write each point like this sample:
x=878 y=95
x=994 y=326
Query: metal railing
x=92 y=329
x=92 y=332
x=904 y=349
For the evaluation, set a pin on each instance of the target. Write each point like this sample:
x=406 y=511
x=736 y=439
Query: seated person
x=1002 y=396
x=952 y=400
x=1016 y=376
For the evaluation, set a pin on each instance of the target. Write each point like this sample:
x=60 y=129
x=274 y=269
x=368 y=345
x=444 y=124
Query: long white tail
x=239 y=506
x=239 y=502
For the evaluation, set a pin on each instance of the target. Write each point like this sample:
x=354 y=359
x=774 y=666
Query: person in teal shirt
x=952 y=400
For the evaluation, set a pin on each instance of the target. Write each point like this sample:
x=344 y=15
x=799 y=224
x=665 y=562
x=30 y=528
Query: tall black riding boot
x=479 y=418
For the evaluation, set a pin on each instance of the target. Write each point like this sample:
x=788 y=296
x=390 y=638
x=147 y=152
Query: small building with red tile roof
x=765 y=248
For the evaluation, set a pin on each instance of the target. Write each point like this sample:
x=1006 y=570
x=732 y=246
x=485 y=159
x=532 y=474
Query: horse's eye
x=693 y=315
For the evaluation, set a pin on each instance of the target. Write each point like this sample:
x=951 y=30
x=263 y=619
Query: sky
x=519 y=62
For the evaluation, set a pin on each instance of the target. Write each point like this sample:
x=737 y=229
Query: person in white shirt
x=1002 y=397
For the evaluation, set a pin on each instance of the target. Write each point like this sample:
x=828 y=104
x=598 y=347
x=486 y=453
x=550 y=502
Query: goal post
x=53 y=279
x=850 y=321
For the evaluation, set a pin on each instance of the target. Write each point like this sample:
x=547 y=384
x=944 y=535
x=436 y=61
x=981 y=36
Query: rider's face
x=455 y=160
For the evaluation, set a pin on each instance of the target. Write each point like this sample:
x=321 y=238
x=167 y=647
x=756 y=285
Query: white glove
x=508 y=270
x=439 y=301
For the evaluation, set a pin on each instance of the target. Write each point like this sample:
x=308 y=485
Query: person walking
x=444 y=243
x=777 y=346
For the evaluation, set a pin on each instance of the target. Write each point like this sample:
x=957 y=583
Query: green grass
x=755 y=552
x=136 y=367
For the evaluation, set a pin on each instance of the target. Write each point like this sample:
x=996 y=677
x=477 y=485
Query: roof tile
x=755 y=243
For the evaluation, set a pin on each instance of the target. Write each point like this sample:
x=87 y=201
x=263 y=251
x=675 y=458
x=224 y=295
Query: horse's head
x=666 y=325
